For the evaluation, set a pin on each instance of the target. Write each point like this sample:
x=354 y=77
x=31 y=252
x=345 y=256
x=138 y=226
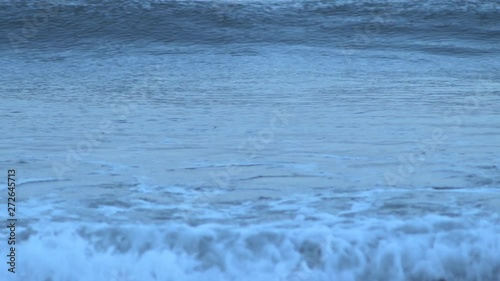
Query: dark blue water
x=457 y=28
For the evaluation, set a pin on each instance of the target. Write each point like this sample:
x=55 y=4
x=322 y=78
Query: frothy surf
x=422 y=249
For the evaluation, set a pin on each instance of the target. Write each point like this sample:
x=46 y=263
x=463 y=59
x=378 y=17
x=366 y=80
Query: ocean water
x=252 y=140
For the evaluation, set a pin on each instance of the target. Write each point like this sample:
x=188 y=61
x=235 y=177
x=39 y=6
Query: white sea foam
x=420 y=249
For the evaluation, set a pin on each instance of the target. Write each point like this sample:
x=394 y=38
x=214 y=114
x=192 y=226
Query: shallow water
x=252 y=141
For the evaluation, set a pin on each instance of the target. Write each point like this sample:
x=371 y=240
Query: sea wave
x=462 y=26
x=421 y=249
